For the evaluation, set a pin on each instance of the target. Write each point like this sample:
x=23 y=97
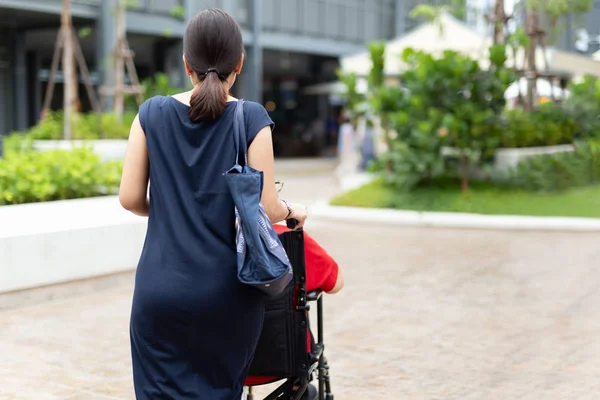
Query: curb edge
x=454 y=220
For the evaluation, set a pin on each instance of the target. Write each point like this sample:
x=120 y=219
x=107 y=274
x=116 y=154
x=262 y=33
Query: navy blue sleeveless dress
x=194 y=327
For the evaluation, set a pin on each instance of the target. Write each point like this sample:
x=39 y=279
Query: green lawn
x=480 y=199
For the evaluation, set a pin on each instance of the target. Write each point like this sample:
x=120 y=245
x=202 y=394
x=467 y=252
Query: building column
x=570 y=43
x=34 y=88
x=107 y=40
x=254 y=60
x=240 y=87
x=400 y=17
x=183 y=76
x=20 y=82
x=190 y=12
x=174 y=67
x=158 y=57
x=6 y=88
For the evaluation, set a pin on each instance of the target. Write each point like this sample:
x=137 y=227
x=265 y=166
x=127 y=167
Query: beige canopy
x=452 y=34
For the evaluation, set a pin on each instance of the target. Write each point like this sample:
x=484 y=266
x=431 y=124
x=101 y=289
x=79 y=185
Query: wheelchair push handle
x=291 y=223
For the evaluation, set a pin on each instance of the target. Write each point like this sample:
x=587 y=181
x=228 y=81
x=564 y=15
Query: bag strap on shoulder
x=239 y=134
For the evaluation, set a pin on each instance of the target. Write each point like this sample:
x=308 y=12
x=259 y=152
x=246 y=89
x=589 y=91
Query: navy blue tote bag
x=261 y=259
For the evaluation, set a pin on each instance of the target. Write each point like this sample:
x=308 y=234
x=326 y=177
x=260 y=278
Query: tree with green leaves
x=354 y=101
x=554 y=13
x=433 y=12
x=430 y=12
x=449 y=101
x=357 y=104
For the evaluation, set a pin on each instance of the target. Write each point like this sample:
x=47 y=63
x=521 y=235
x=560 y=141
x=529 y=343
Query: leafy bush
x=112 y=129
x=547 y=125
x=557 y=124
x=353 y=99
x=520 y=129
x=584 y=104
x=156 y=85
x=50 y=128
x=17 y=143
x=28 y=176
x=88 y=126
x=559 y=171
x=448 y=101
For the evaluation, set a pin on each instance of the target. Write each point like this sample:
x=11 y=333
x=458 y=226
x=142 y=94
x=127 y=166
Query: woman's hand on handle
x=299 y=213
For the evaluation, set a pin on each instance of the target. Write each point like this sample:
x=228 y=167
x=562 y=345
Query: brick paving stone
x=426 y=314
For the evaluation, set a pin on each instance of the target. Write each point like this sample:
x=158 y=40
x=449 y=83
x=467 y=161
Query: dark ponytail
x=208 y=99
x=212 y=49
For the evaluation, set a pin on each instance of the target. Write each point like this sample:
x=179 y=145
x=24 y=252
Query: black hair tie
x=208 y=71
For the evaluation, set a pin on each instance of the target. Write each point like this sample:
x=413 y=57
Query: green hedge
x=559 y=171
x=88 y=126
x=584 y=103
x=552 y=124
x=548 y=125
x=17 y=143
x=91 y=126
x=29 y=176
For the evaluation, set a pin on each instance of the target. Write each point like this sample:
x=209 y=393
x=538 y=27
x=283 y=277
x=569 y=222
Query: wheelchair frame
x=307 y=364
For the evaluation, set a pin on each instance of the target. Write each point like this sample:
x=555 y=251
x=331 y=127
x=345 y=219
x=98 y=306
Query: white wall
x=109 y=150
x=47 y=243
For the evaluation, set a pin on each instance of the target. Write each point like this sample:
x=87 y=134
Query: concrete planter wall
x=55 y=242
x=506 y=159
x=109 y=149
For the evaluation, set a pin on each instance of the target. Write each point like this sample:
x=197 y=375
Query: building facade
x=583 y=34
x=575 y=33
x=290 y=44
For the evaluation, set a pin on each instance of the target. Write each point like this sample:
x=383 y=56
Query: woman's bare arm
x=134 y=180
x=261 y=157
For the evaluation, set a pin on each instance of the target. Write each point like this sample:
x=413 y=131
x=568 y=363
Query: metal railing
x=355 y=21
x=345 y=20
x=160 y=7
x=87 y=2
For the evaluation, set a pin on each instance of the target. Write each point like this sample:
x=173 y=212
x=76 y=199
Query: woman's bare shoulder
x=183 y=97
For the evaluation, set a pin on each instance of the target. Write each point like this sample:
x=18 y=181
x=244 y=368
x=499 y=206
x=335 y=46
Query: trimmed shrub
x=29 y=176
x=548 y=125
x=88 y=126
x=560 y=171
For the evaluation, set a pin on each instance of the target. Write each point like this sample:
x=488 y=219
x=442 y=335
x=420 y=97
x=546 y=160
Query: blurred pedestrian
x=347 y=149
x=367 y=148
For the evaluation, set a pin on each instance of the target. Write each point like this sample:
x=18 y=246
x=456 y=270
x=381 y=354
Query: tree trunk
x=70 y=77
x=386 y=125
x=499 y=20
x=119 y=98
x=464 y=183
x=520 y=95
x=531 y=68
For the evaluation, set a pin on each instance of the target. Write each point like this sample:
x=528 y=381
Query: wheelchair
x=286 y=349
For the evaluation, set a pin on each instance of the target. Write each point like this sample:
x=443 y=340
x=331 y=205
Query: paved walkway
x=426 y=314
